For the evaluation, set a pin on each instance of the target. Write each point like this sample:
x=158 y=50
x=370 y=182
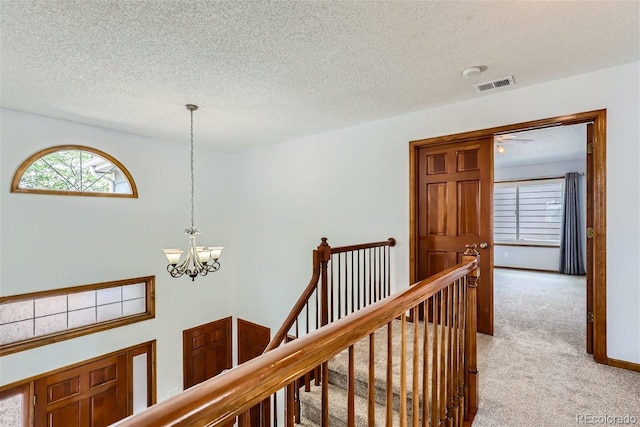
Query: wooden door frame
x=598 y=205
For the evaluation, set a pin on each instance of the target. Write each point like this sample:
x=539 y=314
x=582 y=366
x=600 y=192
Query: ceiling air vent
x=494 y=84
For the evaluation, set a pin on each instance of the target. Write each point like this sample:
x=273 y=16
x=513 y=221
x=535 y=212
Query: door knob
x=484 y=245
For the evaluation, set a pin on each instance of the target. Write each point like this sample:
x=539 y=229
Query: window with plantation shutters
x=528 y=212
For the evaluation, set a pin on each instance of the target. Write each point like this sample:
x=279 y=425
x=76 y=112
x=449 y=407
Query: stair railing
x=344 y=279
x=447 y=302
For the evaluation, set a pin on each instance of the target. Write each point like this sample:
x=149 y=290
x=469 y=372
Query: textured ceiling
x=544 y=145
x=265 y=72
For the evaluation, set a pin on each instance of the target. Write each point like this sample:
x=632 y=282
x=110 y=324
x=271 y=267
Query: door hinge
x=590 y=317
x=34 y=400
x=590 y=148
x=589 y=232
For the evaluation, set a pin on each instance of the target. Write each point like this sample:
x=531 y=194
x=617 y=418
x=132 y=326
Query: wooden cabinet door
x=455 y=185
x=207 y=351
x=93 y=395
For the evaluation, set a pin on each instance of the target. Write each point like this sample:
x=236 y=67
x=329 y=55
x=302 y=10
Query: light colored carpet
x=534 y=371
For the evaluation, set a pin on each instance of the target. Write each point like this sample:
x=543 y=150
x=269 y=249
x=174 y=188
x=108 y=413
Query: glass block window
x=74 y=170
x=31 y=320
x=528 y=211
x=14 y=411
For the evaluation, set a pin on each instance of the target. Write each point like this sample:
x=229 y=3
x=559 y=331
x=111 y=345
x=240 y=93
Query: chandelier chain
x=192 y=184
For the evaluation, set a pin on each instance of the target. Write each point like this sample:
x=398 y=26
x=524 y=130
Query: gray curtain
x=571 y=261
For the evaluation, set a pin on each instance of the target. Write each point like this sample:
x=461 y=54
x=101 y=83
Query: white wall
x=540 y=258
x=269 y=208
x=352 y=185
x=52 y=241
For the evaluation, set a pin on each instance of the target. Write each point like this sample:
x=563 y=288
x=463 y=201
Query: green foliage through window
x=74 y=169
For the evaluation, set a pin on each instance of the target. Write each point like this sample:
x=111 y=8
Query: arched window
x=74 y=170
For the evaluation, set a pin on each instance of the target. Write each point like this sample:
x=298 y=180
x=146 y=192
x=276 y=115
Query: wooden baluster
x=306 y=306
x=387 y=261
x=353 y=284
x=462 y=371
x=359 y=282
x=435 y=403
x=307 y=381
x=415 y=398
x=339 y=285
x=296 y=400
x=317 y=292
x=392 y=243
x=324 y=421
x=389 y=374
x=443 y=357
x=275 y=409
x=425 y=363
x=453 y=386
x=289 y=406
x=471 y=371
x=372 y=290
x=376 y=268
x=456 y=351
x=403 y=370
x=453 y=351
x=244 y=420
x=371 y=401
x=346 y=284
x=351 y=391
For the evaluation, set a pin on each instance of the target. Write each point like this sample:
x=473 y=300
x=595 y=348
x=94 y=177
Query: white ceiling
x=264 y=72
x=543 y=145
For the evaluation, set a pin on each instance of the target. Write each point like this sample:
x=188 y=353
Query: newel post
x=325 y=256
x=471 y=356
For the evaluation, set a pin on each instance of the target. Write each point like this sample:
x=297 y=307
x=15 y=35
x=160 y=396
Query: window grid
x=528 y=211
x=30 y=320
x=74 y=170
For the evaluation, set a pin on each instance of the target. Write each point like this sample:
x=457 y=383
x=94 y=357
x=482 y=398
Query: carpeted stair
x=310 y=402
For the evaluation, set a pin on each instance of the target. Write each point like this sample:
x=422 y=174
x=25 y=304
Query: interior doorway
x=595 y=146
x=540 y=209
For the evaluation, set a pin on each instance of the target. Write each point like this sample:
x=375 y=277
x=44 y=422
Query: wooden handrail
x=299 y=305
x=389 y=242
x=220 y=399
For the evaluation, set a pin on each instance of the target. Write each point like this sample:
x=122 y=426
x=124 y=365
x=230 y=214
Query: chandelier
x=199 y=260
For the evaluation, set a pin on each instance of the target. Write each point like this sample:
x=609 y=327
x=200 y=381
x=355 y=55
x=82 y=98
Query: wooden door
x=454 y=208
x=252 y=340
x=207 y=351
x=93 y=395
